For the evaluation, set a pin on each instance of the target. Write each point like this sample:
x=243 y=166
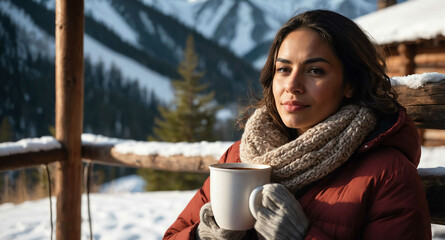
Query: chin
x=293 y=125
x=296 y=124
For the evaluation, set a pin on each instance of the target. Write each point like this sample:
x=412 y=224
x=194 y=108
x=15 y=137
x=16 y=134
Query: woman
x=342 y=150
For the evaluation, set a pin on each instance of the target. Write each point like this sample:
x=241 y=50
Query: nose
x=295 y=83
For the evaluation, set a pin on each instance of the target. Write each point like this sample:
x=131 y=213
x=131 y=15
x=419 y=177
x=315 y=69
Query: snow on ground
x=126 y=214
x=114 y=216
x=132 y=184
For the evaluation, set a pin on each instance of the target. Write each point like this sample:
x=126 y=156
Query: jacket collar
x=397 y=131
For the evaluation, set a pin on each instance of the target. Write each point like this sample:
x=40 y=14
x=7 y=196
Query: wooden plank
x=434 y=137
x=429 y=58
x=424 y=69
x=425 y=105
x=430 y=94
x=108 y=156
x=406 y=54
x=31 y=159
x=393 y=61
x=69 y=115
x=429 y=116
x=435 y=193
x=428 y=47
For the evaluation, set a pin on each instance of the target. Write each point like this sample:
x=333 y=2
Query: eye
x=316 y=71
x=283 y=70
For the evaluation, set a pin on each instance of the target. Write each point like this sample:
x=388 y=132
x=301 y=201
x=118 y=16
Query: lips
x=294 y=106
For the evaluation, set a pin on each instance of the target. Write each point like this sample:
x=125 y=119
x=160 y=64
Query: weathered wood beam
x=435 y=194
x=426 y=105
x=423 y=69
x=108 y=156
x=69 y=115
x=31 y=159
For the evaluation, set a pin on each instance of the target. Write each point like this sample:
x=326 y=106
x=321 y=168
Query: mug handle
x=255 y=200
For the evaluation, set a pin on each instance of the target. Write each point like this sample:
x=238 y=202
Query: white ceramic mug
x=231 y=185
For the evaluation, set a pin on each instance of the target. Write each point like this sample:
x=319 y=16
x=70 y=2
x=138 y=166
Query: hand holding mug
x=279 y=216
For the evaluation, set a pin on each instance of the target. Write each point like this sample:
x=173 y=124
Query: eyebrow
x=308 y=61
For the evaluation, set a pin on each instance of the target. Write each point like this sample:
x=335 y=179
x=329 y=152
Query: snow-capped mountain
x=247 y=27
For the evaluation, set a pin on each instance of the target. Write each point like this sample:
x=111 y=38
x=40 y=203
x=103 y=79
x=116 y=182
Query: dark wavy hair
x=363 y=64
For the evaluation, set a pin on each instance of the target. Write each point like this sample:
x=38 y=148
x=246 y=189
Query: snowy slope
x=131 y=69
x=41 y=43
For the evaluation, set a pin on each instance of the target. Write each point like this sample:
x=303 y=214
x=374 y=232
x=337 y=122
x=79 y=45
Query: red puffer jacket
x=376 y=194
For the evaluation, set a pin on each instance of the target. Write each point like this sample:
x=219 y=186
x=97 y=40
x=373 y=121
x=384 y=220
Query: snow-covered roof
x=408 y=21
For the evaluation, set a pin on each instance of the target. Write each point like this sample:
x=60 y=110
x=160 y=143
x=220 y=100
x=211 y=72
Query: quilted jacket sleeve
x=399 y=209
x=185 y=225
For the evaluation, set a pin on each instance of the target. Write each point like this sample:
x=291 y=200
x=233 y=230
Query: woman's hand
x=280 y=216
x=208 y=229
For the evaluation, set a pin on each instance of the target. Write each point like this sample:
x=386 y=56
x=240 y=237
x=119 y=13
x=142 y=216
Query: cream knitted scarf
x=314 y=154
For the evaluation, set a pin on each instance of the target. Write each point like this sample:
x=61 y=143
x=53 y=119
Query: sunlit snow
x=408 y=21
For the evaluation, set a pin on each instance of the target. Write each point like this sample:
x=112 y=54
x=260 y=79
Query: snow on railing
x=165 y=149
x=432 y=161
x=415 y=81
x=29 y=145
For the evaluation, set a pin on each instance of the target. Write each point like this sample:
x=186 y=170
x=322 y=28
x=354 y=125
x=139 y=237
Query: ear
x=349 y=91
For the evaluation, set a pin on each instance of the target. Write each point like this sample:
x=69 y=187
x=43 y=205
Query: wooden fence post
x=69 y=115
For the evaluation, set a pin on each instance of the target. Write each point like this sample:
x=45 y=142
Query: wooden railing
x=107 y=155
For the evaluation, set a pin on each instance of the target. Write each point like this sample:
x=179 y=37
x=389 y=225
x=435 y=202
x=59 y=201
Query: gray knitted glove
x=280 y=216
x=208 y=229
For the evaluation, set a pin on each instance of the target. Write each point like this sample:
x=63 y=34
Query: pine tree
x=5 y=131
x=191 y=118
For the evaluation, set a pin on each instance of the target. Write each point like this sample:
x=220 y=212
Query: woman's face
x=308 y=81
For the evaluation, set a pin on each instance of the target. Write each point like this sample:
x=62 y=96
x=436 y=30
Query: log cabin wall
x=418 y=57
x=430 y=56
x=415 y=57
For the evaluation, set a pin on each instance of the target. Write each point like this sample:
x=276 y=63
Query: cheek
x=328 y=94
